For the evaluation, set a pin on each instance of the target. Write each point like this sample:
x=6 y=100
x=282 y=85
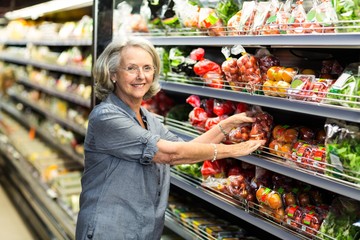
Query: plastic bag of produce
x=343 y=150
x=348 y=14
x=188 y=14
x=346 y=89
x=343 y=220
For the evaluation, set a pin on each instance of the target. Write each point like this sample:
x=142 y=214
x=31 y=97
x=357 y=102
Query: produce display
x=58 y=173
x=229 y=17
x=301 y=207
x=31 y=30
x=200 y=221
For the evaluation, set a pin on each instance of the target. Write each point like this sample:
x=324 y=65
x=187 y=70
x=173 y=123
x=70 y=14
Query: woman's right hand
x=246 y=148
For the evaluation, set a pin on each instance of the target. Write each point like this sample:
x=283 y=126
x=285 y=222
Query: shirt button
x=159 y=194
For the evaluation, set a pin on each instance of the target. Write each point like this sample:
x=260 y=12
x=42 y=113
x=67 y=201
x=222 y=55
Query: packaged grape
x=266 y=60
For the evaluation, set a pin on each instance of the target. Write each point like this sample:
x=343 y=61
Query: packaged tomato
x=213 y=79
x=232 y=74
x=318 y=157
x=247 y=17
x=209 y=21
x=319 y=90
x=311 y=222
x=240 y=133
x=208 y=105
x=233 y=25
x=293 y=217
x=301 y=87
x=298 y=23
x=250 y=71
x=303 y=154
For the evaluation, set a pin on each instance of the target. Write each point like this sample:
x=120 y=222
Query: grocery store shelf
x=316 y=109
x=54 y=92
x=312 y=178
x=320 y=180
x=23 y=120
x=55 y=218
x=50 y=67
x=48 y=42
x=342 y=40
x=64 y=122
x=214 y=199
x=177 y=228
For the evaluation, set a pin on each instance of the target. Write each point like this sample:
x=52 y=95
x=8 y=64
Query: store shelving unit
x=48 y=212
x=40 y=205
x=310 y=41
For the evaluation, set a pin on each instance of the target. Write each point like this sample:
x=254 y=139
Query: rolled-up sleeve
x=118 y=134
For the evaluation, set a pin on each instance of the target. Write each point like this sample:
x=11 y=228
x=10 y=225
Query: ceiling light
x=41 y=9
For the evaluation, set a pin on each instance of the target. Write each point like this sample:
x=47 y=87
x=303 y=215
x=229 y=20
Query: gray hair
x=109 y=60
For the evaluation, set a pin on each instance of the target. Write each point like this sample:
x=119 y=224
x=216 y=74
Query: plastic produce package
x=342 y=221
x=346 y=90
x=343 y=150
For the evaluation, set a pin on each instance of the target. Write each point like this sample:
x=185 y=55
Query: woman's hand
x=235 y=120
x=245 y=148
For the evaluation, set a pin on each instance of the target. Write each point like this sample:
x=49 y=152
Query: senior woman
x=128 y=152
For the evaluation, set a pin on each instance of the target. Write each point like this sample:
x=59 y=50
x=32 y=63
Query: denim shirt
x=124 y=193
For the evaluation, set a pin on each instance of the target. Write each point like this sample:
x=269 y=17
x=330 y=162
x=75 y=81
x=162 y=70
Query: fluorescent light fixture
x=41 y=9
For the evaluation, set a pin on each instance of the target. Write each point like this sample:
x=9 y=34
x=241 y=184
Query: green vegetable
x=348 y=10
x=179 y=112
x=225 y=9
x=340 y=223
x=343 y=150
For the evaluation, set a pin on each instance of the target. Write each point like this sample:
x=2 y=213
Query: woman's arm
x=191 y=152
x=216 y=135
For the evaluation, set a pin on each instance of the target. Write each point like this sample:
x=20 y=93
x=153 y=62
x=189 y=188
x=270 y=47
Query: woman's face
x=134 y=75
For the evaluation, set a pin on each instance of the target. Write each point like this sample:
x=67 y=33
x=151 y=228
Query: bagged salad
x=346 y=89
x=342 y=145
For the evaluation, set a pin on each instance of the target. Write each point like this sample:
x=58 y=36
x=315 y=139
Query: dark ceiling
x=10 y=5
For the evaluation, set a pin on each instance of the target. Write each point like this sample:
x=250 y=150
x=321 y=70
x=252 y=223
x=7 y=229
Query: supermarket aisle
x=12 y=226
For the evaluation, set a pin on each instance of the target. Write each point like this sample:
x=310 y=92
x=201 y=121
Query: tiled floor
x=11 y=225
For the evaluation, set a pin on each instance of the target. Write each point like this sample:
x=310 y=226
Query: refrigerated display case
x=55 y=218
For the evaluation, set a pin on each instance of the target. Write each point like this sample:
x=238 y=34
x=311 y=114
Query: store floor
x=12 y=226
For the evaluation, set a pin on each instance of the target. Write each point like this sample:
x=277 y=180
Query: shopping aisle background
x=12 y=227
